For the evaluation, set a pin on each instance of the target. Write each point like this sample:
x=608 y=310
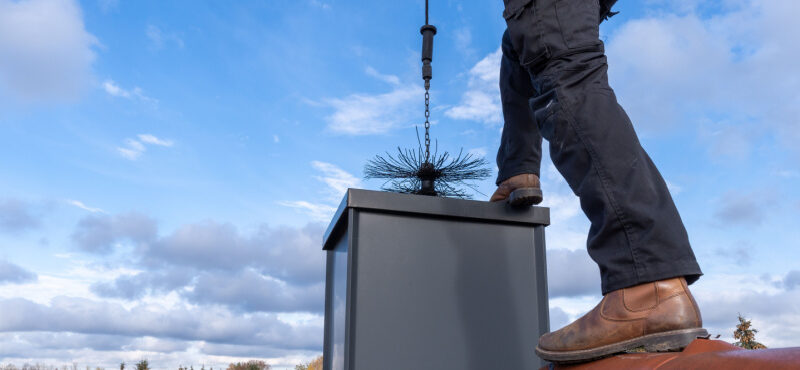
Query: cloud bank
x=46 y=54
x=13 y=274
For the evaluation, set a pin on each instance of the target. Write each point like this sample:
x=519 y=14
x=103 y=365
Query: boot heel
x=525 y=197
x=673 y=341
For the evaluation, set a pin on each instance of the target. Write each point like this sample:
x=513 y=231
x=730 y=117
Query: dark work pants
x=554 y=84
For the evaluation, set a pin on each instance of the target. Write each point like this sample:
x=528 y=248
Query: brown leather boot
x=659 y=316
x=520 y=190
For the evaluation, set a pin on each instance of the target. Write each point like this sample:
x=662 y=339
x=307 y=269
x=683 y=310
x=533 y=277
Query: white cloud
x=320 y=4
x=571 y=273
x=481 y=101
x=558 y=318
x=734 y=69
x=337 y=182
x=769 y=301
x=463 y=40
x=98 y=233
x=17 y=215
x=730 y=141
x=107 y=351
x=74 y=335
x=674 y=189
x=154 y=34
x=736 y=209
x=317 y=212
x=73 y=281
x=84 y=207
x=568 y=224
x=111 y=88
x=728 y=76
x=337 y=179
x=772 y=306
x=45 y=51
x=390 y=79
x=138 y=93
x=133 y=149
x=108 y=5
x=150 y=139
x=289 y=254
x=478 y=152
x=13 y=274
x=252 y=291
x=571 y=308
x=365 y=114
x=129 y=153
x=159 y=39
x=209 y=324
x=789 y=174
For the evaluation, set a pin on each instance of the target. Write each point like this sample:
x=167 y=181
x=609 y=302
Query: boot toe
x=546 y=342
x=554 y=341
x=500 y=194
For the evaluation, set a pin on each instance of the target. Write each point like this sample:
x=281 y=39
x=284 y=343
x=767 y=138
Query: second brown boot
x=658 y=316
x=520 y=190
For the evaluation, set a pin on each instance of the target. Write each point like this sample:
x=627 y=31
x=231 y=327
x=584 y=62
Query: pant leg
x=521 y=143
x=636 y=233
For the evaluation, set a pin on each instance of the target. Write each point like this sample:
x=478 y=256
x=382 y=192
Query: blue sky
x=167 y=168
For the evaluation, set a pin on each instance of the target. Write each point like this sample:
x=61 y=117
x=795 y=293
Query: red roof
x=700 y=354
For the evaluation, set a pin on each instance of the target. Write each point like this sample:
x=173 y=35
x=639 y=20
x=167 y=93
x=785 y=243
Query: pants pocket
x=524 y=31
x=578 y=21
x=544 y=108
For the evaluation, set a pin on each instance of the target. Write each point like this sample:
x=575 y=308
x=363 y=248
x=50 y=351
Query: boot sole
x=525 y=197
x=669 y=341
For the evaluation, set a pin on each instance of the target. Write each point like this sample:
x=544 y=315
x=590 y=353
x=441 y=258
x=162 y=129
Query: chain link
x=427 y=79
x=427 y=127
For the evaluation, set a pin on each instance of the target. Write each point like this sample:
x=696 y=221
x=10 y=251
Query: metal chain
x=427 y=126
x=427 y=101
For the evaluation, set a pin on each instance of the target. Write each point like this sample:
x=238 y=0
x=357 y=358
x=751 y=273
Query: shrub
x=249 y=365
x=746 y=335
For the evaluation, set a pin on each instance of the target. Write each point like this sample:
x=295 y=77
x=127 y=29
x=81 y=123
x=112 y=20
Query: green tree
x=122 y=365
x=313 y=365
x=316 y=364
x=249 y=365
x=143 y=365
x=746 y=336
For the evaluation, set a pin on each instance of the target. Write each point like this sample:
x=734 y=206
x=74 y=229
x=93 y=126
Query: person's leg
x=521 y=143
x=636 y=234
x=520 y=153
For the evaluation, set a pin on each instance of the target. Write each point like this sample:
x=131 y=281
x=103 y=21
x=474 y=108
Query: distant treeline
x=145 y=365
